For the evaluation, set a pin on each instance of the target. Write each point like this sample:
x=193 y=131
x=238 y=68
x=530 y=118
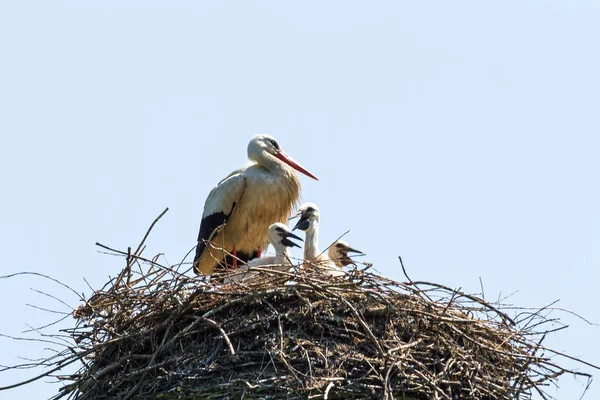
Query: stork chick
x=279 y=236
x=239 y=210
x=338 y=253
x=313 y=257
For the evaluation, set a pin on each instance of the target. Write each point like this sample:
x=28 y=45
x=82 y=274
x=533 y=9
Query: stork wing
x=218 y=208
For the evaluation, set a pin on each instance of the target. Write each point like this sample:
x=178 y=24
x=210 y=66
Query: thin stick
x=223 y=334
x=149 y=230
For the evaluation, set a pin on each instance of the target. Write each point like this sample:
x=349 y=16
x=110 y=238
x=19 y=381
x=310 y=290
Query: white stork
x=313 y=257
x=240 y=209
x=338 y=253
x=279 y=236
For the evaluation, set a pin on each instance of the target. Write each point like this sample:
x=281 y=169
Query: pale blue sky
x=463 y=136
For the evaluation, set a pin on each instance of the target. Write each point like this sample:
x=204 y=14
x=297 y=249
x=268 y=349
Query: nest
x=299 y=335
x=155 y=332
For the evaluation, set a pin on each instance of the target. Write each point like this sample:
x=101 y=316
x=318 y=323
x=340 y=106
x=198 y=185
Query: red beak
x=292 y=163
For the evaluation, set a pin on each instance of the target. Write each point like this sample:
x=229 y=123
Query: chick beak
x=351 y=250
x=287 y=242
x=302 y=224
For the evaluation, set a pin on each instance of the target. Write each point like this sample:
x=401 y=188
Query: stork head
x=264 y=149
x=338 y=252
x=309 y=214
x=279 y=235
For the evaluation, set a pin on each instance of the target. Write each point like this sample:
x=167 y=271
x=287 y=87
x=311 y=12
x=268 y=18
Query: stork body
x=279 y=236
x=240 y=209
x=338 y=253
x=313 y=256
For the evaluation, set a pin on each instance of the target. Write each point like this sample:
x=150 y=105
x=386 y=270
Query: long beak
x=292 y=163
x=351 y=250
x=295 y=216
x=287 y=242
x=302 y=224
x=290 y=234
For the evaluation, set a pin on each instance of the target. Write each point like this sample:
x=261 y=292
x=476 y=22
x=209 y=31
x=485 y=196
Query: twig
x=137 y=252
x=223 y=334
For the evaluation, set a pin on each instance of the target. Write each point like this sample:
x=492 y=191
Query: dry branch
x=358 y=336
x=157 y=333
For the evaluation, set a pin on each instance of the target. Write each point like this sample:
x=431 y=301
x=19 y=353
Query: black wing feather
x=207 y=227
x=218 y=208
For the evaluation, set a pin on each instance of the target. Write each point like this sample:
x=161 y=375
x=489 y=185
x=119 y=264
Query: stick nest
x=160 y=334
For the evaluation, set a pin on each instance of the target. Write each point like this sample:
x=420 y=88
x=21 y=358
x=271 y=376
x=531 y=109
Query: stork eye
x=275 y=144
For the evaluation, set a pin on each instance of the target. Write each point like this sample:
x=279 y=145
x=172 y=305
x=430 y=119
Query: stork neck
x=281 y=250
x=282 y=255
x=311 y=246
x=279 y=167
x=270 y=163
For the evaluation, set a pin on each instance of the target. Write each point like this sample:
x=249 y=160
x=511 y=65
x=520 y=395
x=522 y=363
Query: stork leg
x=258 y=252
x=234 y=252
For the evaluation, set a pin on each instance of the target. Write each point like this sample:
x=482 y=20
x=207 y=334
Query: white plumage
x=239 y=210
x=279 y=236
x=313 y=257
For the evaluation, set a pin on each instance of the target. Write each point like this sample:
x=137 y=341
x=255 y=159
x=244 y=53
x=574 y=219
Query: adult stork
x=279 y=236
x=240 y=209
x=313 y=257
x=338 y=253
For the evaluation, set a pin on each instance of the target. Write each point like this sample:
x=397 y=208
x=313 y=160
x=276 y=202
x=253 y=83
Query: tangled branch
x=154 y=332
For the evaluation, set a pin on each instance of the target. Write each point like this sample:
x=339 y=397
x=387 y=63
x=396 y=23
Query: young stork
x=240 y=209
x=279 y=236
x=338 y=253
x=313 y=257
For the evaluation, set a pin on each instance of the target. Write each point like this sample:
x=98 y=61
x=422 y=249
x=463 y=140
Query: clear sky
x=463 y=136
